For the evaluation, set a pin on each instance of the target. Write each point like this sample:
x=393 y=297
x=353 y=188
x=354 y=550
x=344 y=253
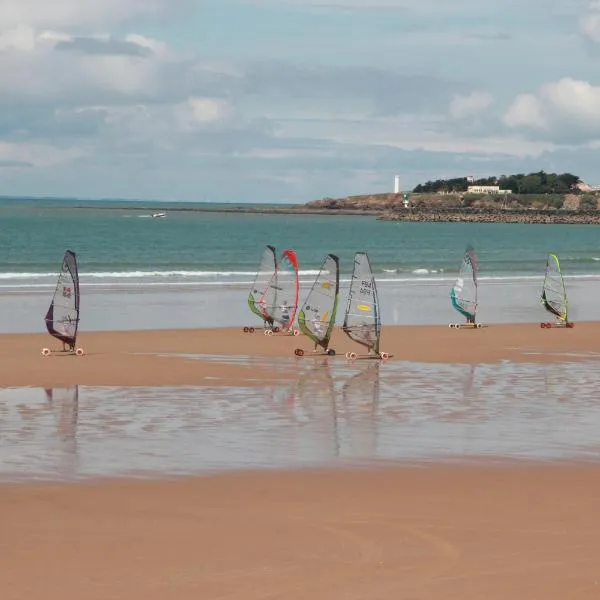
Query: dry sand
x=453 y=532
x=130 y=358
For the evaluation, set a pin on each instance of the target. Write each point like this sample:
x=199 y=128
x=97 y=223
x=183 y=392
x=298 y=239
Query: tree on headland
x=531 y=183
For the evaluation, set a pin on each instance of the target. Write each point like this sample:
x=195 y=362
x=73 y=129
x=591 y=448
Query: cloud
x=84 y=14
x=98 y=46
x=589 y=23
x=97 y=99
x=429 y=8
x=470 y=105
x=567 y=110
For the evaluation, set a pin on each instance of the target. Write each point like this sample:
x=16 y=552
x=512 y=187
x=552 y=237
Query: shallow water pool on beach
x=333 y=413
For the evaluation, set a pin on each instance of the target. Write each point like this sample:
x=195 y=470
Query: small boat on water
x=159 y=215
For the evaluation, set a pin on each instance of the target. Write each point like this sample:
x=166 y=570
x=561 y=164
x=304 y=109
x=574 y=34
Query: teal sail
x=464 y=291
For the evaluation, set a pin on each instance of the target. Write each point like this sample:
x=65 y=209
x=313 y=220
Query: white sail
x=316 y=318
x=263 y=293
x=554 y=293
x=62 y=318
x=362 y=321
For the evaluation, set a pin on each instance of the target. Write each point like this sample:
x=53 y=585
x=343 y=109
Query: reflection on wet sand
x=331 y=412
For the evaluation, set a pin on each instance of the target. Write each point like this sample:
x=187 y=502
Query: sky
x=292 y=100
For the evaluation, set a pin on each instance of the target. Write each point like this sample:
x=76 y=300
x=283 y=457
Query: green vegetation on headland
x=532 y=183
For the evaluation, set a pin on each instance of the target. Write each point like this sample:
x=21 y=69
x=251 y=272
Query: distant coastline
x=425 y=207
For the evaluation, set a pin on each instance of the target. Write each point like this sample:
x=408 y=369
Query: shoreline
x=227 y=356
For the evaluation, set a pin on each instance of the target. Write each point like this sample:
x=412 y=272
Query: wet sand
x=133 y=358
x=422 y=529
x=421 y=533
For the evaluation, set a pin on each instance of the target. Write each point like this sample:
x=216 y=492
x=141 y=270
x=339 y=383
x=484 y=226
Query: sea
x=194 y=268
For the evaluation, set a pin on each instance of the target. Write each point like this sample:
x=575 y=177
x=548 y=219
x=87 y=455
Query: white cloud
x=589 y=23
x=38 y=154
x=20 y=38
x=567 y=107
x=470 y=105
x=426 y=7
x=526 y=111
x=410 y=132
x=77 y=13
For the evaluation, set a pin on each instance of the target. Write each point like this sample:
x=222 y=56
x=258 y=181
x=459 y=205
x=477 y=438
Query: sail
x=554 y=294
x=362 y=322
x=317 y=315
x=62 y=318
x=263 y=293
x=464 y=292
x=287 y=286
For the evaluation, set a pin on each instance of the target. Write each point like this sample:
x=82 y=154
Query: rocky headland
x=481 y=208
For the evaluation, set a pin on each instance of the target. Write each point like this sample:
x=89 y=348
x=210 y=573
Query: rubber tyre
x=331 y=352
x=451 y=325
x=250 y=329
x=45 y=351
x=276 y=329
x=384 y=355
x=245 y=329
x=299 y=352
x=296 y=332
x=79 y=352
x=478 y=326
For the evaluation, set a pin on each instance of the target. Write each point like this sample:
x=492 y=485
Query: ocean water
x=196 y=267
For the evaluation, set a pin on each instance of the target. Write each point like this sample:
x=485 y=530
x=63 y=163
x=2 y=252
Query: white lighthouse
x=397 y=184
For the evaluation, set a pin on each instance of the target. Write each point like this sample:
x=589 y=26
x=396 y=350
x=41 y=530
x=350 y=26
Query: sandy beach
x=129 y=358
x=422 y=533
x=419 y=528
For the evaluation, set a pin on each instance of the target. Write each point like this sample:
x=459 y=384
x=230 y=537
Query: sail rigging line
x=62 y=317
x=362 y=321
x=263 y=293
x=316 y=318
x=554 y=294
x=464 y=293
